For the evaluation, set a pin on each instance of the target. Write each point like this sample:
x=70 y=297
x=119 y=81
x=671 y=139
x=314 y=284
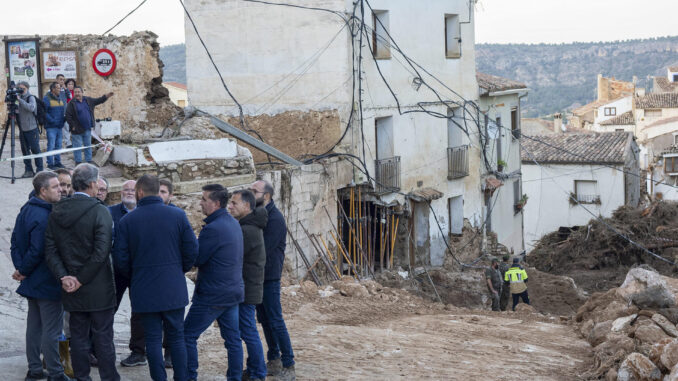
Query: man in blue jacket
x=269 y=312
x=55 y=108
x=128 y=202
x=45 y=311
x=219 y=288
x=154 y=247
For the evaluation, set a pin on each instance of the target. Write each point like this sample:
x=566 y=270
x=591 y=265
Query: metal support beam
x=256 y=143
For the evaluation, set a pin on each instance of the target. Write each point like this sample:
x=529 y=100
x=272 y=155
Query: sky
x=557 y=21
x=497 y=21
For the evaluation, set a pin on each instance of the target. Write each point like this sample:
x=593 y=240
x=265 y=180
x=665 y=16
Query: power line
x=123 y=19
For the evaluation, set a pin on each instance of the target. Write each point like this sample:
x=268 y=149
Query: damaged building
x=393 y=99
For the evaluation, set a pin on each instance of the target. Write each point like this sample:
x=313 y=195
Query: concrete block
x=193 y=150
x=125 y=155
x=108 y=130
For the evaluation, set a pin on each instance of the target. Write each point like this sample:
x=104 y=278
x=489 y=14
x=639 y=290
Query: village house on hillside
x=668 y=84
x=300 y=88
x=614 y=98
x=500 y=101
x=578 y=177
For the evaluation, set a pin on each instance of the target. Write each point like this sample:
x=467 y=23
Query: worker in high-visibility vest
x=517 y=277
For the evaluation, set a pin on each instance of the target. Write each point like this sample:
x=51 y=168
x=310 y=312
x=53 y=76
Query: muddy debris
x=598 y=258
x=632 y=339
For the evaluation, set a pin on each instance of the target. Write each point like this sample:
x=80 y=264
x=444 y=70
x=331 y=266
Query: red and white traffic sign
x=104 y=62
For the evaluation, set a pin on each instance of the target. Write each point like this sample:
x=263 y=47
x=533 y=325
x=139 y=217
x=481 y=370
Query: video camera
x=11 y=97
x=12 y=92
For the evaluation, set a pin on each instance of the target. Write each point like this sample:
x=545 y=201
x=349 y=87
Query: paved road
x=13 y=307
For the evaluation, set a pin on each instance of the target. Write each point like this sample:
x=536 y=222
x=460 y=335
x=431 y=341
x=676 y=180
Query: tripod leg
x=4 y=138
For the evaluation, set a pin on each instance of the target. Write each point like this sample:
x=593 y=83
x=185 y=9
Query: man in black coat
x=242 y=206
x=78 y=253
x=269 y=312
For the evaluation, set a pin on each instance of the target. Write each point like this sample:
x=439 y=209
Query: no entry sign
x=104 y=62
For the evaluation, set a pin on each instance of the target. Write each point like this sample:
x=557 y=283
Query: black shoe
x=61 y=377
x=168 y=359
x=52 y=167
x=93 y=361
x=30 y=376
x=274 y=367
x=28 y=175
x=135 y=359
x=59 y=165
x=92 y=163
x=69 y=146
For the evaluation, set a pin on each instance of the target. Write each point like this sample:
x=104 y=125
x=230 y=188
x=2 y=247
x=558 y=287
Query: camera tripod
x=12 y=112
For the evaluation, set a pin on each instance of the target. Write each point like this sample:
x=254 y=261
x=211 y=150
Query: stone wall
x=302 y=194
x=140 y=102
x=296 y=133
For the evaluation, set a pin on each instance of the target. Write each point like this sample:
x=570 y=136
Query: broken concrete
x=140 y=102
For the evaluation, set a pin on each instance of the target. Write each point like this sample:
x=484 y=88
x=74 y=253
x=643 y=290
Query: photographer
x=80 y=119
x=29 y=135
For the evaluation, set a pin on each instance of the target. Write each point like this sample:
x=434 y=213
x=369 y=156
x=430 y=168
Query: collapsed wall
x=140 y=102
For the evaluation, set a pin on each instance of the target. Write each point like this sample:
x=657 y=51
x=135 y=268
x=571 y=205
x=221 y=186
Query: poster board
x=59 y=61
x=22 y=59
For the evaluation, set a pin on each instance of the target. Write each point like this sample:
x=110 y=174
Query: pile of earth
x=549 y=294
x=598 y=256
x=632 y=329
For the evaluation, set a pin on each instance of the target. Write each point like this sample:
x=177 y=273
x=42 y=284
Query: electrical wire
x=123 y=19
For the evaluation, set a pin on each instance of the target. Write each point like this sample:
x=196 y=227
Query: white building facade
x=500 y=101
x=278 y=60
x=575 y=181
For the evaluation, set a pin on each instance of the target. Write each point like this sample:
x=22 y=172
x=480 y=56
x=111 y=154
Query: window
x=675 y=139
x=618 y=130
x=384 y=134
x=653 y=113
x=516 y=192
x=455 y=207
x=515 y=123
x=610 y=111
x=671 y=164
x=675 y=78
x=452 y=36
x=586 y=191
x=499 y=153
x=380 y=40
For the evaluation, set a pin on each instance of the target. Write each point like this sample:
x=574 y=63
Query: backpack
x=41 y=112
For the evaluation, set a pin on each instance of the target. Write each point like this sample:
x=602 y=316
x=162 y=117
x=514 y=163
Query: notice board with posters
x=59 y=61
x=22 y=58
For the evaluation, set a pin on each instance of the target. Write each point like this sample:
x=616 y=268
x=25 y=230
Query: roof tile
x=657 y=100
x=593 y=148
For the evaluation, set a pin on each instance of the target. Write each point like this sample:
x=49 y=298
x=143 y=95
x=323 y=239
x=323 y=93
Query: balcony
x=457 y=162
x=387 y=175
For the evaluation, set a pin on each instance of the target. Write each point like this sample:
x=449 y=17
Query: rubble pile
x=632 y=328
x=549 y=294
x=598 y=258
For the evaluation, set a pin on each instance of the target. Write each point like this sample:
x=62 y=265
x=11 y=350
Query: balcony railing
x=588 y=198
x=457 y=162
x=387 y=174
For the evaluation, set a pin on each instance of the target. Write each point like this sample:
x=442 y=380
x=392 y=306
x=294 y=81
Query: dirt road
x=394 y=336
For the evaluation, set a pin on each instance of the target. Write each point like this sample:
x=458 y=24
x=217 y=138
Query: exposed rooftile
x=594 y=148
x=657 y=100
x=620 y=120
x=489 y=83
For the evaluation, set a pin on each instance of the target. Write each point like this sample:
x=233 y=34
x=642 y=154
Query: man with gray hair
x=78 y=244
x=29 y=135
